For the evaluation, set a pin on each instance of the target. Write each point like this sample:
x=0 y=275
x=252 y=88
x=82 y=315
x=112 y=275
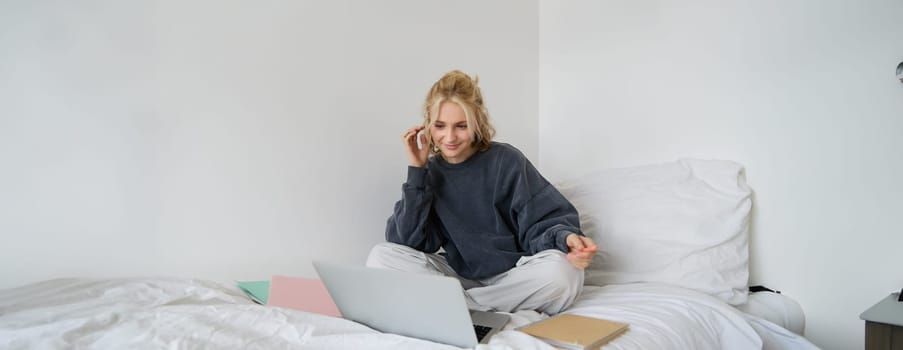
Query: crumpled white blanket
x=169 y=313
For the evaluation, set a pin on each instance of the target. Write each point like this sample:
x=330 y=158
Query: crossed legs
x=545 y=282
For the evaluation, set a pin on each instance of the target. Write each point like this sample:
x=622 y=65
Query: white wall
x=227 y=140
x=802 y=93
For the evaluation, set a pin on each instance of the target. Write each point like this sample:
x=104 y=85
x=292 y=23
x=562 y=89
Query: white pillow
x=684 y=223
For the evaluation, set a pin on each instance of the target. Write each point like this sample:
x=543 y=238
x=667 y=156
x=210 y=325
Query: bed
x=154 y=313
x=672 y=263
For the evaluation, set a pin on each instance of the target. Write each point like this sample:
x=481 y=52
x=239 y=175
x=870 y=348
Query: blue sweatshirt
x=487 y=212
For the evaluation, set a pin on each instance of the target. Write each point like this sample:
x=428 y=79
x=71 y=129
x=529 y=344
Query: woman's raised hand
x=416 y=155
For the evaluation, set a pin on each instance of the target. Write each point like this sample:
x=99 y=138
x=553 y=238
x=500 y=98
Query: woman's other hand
x=581 y=250
x=416 y=155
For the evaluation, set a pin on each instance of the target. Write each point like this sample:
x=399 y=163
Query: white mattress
x=153 y=313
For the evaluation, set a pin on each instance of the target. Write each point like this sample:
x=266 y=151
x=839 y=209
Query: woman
x=508 y=235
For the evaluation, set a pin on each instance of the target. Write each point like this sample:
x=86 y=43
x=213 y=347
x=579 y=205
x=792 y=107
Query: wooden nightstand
x=884 y=324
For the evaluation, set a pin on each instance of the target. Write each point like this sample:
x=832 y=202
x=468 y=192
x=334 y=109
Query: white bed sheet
x=154 y=313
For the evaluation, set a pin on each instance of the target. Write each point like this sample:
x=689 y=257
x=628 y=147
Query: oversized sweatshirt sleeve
x=544 y=217
x=413 y=222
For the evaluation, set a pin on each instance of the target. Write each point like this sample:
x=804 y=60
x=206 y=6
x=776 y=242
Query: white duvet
x=155 y=313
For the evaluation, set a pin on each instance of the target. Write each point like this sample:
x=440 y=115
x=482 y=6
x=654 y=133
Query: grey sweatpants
x=545 y=282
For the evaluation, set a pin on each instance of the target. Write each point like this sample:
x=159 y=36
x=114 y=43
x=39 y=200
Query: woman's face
x=451 y=135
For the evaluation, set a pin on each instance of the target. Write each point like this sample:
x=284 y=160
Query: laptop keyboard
x=481 y=331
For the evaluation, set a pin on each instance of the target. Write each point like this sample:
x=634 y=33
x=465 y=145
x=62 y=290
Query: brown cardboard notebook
x=575 y=331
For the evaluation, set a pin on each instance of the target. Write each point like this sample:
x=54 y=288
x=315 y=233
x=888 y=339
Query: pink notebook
x=305 y=294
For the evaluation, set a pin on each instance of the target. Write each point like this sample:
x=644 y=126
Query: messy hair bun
x=460 y=88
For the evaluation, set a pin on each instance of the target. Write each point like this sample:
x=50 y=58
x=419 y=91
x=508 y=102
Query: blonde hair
x=459 y=88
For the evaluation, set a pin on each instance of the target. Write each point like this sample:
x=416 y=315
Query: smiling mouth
x=452 y=147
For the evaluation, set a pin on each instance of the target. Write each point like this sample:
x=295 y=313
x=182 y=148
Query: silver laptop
x=416 y=305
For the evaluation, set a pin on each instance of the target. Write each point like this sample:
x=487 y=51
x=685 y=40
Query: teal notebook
x=259 y=291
